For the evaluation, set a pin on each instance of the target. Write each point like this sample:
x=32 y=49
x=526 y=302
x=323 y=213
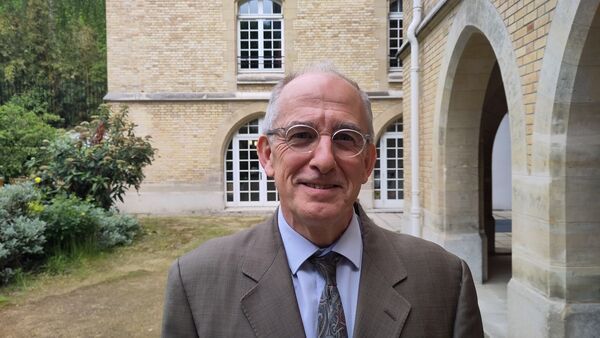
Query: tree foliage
x=55 y=49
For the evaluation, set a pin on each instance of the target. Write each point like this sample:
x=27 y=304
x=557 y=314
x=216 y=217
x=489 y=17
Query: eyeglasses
x=304 y=139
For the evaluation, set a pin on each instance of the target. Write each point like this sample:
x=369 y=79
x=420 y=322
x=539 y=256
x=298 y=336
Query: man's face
x=317 y=189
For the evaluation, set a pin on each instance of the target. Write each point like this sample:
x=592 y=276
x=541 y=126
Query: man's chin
x=323 y=211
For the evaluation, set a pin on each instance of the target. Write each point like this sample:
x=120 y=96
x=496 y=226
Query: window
x=246 y=183
x=395 y=33
x=260 y=36
x=388 y=175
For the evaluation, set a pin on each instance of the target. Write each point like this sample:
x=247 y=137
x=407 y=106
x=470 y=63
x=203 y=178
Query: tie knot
x=326 y=266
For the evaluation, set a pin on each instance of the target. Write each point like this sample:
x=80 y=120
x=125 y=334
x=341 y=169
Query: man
x=319 y=267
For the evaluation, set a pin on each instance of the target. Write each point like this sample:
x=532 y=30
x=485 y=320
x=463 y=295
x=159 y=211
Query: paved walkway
x=491 y=294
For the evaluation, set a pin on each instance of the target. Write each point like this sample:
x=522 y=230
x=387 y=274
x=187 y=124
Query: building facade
x=196 y=76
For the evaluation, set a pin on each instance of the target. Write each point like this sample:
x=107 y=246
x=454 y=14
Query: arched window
x=388 y=175
x=245 y=181
x=395 y=33
x=260 y=35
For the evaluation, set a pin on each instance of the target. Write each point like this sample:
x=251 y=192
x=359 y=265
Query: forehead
x=321 y=96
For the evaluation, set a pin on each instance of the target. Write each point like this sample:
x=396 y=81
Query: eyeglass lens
x=346 y=142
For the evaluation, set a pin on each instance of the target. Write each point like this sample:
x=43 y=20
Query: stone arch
x=384 y=118
x=230 y=125
x=556 y=280
x=478 y=39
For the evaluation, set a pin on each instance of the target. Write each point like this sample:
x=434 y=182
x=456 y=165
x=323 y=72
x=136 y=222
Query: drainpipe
x=415 y=209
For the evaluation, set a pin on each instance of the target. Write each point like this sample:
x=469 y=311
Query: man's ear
x=369 y=161
x=265 y=153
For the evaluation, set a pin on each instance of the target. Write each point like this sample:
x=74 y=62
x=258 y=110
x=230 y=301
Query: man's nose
x=323 y=158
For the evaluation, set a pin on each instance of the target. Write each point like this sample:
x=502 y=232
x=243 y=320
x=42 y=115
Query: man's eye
x=344 y=137
x=301 y=135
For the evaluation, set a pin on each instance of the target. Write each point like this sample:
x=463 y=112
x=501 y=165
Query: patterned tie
x=331 y=320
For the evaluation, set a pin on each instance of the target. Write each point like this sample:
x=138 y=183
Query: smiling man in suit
x=319 y=267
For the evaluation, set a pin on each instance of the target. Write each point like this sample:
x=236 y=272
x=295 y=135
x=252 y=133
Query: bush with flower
x=67 y=204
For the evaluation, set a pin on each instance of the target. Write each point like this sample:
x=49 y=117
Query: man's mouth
x=320 y=186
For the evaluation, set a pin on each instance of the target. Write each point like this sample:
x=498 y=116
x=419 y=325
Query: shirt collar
x=298 y=249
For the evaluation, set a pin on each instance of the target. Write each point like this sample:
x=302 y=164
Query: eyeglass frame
x=282 y=132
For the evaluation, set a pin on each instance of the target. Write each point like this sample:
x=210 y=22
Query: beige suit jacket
x=241 y=286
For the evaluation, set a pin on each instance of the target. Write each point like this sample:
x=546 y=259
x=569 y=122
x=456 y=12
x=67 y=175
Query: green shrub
x=117 y=229
x=22 y=133
x=21 y=234
x=70 y=222
x=21 y=240
x=73 y=224
x=99 y=160
x=59 y=232
x=17 y=200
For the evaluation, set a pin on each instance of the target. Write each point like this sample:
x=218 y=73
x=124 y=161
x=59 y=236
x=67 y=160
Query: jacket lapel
x=381 y=310
x=270 y=304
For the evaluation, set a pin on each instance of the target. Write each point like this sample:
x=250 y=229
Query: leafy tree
x=57 y=50
x=98 y=160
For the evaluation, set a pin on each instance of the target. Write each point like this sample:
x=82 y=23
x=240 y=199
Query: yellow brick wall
x=189 y=46
x=167 y=46
x=350 y=33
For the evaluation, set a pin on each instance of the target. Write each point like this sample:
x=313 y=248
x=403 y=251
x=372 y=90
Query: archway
x=476 y=42
x=555 y=280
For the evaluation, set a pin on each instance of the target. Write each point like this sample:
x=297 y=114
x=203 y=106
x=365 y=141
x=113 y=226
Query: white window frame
x=383 y=201
x=260 y=17
x=263 y=181
x=395 y=16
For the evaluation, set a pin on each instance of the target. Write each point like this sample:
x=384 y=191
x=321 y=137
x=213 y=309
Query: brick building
x=197 y=75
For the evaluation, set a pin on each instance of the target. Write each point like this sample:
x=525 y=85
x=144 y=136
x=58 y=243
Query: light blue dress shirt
x=309 y=284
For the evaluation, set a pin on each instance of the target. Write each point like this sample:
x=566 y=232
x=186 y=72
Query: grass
x=162 y=240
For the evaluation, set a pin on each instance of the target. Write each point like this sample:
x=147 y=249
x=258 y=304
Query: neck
x=322 y=231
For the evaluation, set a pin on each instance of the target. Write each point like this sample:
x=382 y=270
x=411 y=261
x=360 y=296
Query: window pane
x=267 y=7
x=253 y=24
x=244 y=24
x=276 y=24
x=253 y=6
x=276 y=8
x=244 y=8
x=267 y=24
